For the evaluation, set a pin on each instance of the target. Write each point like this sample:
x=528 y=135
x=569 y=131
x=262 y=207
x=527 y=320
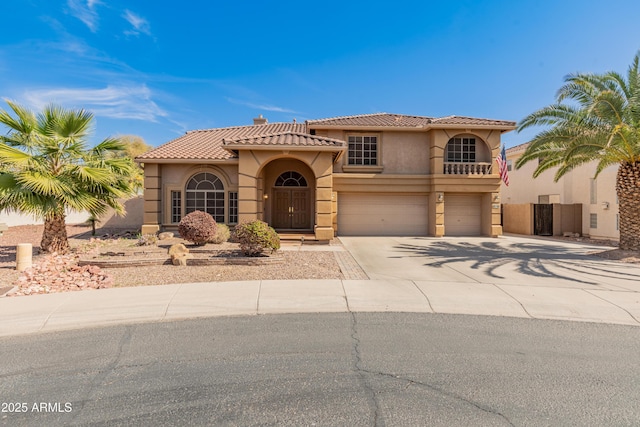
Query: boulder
x=178 y=248
x=165 y=235
x=181 y=259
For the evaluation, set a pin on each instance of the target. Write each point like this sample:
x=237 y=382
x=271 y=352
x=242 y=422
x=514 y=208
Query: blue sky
x=157 y=69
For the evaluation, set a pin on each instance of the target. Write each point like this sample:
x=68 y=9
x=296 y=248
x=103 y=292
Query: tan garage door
x=382 y=214
x=462 y=214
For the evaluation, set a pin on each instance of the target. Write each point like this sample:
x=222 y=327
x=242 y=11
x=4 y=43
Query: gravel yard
x=295 y=264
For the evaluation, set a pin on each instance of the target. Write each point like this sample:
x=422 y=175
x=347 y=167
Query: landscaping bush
x=197 y=227
x=222 y=234
x=256 y=237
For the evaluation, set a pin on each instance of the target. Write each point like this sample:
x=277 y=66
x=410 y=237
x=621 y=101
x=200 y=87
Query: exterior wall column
x=436 y=214
x=247 y=186
x=323 y=170
x=491 y=214
x=152 y=217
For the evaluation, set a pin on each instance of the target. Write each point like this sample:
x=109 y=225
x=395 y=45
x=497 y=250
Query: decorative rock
x=178 y=248
x=181 y=259
x=165 y=235
x=60 y=273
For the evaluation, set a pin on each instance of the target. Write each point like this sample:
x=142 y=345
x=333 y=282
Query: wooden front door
x=291 y=209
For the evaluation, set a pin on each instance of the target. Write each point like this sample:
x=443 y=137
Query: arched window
x=291 y=179
x=205 y=192
x=461 y=150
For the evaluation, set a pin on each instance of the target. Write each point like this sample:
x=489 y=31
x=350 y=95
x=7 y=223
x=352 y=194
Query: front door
x=291 y=209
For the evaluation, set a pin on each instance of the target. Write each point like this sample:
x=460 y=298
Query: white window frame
x=201 y=198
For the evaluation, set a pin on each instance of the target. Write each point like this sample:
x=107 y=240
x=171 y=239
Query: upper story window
x=363 y=150
x=461 y=150
x=205 y=192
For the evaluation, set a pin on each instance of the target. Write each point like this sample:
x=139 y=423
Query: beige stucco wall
x=131 y=220
x=399 y=152
x=574 y=187
x=518 y=218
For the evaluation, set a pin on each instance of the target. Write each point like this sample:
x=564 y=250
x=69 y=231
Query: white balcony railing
x=467 y=168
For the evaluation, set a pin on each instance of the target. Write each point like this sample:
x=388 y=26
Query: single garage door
x=382 y=214
x=462 y=214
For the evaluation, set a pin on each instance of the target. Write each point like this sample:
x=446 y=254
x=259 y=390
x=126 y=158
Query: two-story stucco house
x=373 y=174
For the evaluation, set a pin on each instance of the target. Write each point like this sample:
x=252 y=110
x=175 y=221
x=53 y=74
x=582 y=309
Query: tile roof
x=377 y=119
x=288 y=139
x=404 y=121
x=207 y=144
x=210 y=144
x=471 y=121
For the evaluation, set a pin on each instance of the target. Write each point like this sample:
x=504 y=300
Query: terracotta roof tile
x=404 y=121
x=207 y=144
x=377 y=120
x=471 y=121
x=288 y=139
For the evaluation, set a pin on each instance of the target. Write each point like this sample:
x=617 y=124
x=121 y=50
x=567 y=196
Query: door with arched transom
x=291 y=202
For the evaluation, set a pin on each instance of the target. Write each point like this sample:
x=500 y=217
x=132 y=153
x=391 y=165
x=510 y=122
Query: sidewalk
x=74 y=310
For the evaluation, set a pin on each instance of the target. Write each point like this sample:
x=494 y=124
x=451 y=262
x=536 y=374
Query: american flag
x=502 y=166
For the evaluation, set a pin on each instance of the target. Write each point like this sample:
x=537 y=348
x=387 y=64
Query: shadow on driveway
x=530 y=259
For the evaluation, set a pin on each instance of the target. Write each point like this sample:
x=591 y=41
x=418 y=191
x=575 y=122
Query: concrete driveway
x=509 y=276
x=507 y=260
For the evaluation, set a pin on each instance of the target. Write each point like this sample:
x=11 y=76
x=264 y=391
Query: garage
x=462 y=214
x=382 y=214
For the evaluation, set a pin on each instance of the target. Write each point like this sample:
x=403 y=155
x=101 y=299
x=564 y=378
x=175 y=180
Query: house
x=372 y=174
x=597 y=196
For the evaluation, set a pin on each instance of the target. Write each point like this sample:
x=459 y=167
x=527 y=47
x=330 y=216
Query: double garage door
x=384 y=214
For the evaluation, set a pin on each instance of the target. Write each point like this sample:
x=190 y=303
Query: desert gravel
x=295 y=264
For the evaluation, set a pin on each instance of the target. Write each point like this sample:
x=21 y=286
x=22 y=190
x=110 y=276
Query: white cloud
x=118 y=102
x=265 y=107
x=86 y=12
x=140 y=25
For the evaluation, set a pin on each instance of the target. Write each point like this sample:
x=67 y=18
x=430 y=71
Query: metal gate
x=543 y=220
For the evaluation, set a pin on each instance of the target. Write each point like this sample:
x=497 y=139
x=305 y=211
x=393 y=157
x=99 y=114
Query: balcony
x=479 y=168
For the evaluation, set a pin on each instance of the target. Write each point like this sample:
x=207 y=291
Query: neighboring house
x=373 y=174
x=597 y=196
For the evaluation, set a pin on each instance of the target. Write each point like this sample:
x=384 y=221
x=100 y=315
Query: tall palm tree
x=46 y=167
x=601 y=123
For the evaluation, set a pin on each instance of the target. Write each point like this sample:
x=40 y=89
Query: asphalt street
x=357 y=369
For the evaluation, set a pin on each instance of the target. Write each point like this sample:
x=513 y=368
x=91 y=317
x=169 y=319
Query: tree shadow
x=529 y=259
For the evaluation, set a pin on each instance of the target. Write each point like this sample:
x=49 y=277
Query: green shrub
x=197 y=227
x=222 y=234
x=256 y=237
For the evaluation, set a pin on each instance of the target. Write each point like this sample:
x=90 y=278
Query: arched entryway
x=289 y=187
x=291 y=202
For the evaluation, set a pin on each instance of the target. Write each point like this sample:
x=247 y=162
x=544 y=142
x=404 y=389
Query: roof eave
x=281 y=147
x=188 y=161
x=365 y=128
x=503 y=128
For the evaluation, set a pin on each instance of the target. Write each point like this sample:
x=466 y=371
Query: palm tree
x=601 y=123
x=46 y=168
